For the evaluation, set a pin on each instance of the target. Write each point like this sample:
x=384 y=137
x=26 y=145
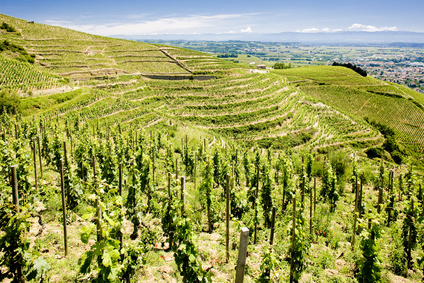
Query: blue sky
x=126 y=17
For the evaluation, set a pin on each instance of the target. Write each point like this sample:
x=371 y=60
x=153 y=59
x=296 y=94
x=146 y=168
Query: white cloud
x=326 y=29
x=188 y=24
x=247 y=30
x=308 y=30
x=360 y=27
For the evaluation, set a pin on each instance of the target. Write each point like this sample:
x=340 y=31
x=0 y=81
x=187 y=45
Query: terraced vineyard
x=132 y=112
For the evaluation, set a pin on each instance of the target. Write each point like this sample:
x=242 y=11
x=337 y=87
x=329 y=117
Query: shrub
x=9 y=103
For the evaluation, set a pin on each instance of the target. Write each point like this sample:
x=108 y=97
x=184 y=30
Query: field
x=137 y=148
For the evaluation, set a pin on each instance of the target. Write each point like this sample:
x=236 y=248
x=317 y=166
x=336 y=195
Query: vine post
x=380 y=199
x=360 y=196
x=34 y=155
x=62 y=186
x=315 y=194
x=227 y=218
x=241 y=261
x=271 y=238
x=121 y=236
x=182 y=194
x=255 y=204
x=171 y=233
x=409 y=251
x=195 y=171
x=39 y=156
x=303 y=191
x=293 y=240
x=355 y=218
x=176 y=168
x=14 y=183
x=310 y=210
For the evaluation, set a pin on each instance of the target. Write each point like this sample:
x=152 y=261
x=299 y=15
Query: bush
x=9 y=103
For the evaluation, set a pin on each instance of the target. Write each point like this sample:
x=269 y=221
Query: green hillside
x=140 y=143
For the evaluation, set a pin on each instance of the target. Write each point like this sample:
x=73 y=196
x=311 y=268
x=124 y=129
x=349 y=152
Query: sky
x=128 y=17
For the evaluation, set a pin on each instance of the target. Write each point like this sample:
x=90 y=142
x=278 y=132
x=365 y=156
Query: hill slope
x=314 y=107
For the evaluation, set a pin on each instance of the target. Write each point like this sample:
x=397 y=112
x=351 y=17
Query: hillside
x=315 y=107
x=136 y=148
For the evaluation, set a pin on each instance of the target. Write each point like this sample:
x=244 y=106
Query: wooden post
x=227 y=218
x=255 y=204
x=315 y=195
x=72 y=146
x=120 y=179
x=303 y=190
x=241 y=261
x=62 y=186
x=195 y=171
x=310 y=212
x=369 y=219
x=391 y=200
x=94 y=167
x=176 y=168
x=34 y=154
x=271 y=238
x=182 y=194
x=409 y=255
x=153 y=163
x=380 y=199
x=293 y=240
x=360 y=196
x=39 y=156
x=121 y=236
x=355 y=218
x=14 y=183
x=171 y=233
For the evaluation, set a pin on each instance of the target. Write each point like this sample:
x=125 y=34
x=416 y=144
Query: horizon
x=131 y=18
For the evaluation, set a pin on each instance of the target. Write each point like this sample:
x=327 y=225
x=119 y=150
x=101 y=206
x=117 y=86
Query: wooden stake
x=62 y=186
x=195 y=171
x=310 y=211
x=315 y=195
x=182 y=194
x=176 y=168
x=227 y=218
x=293 y=240
x=121 y=236
x=380 y=199
x=303 y=190
x=34 y=154
x=271 y=238
x=14 y=183
x=241 y=261
x=255 y=204
x=39 y=156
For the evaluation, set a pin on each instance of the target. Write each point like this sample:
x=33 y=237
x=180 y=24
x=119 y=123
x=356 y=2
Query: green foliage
x=7 y=27
x=18 y=261
x=397 y=256
x=282 y=66
x=186 y=255
x=9 y=103
x=301 y=246
x=355 y=68
x=269 y=261
x=370 y=265
x=266 y=198
x=104 y=257
x=24 y=56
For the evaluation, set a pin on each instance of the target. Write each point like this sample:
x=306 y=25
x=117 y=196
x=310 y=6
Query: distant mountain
x=354 y=37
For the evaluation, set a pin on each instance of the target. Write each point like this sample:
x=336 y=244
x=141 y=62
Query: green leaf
x=86 y=232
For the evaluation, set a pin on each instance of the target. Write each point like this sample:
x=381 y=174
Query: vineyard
x=24 y=77
x=135 y=162
x=150 y=205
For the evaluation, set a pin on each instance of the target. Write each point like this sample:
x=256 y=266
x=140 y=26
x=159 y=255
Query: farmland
x=136 y=149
